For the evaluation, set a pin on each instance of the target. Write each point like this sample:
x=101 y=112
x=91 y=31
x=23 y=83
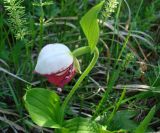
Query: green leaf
x=90 y=25
x=122 y=120
x=82 y=125
x=43 y=107
x=144 y=124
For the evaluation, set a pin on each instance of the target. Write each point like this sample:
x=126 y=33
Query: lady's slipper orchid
x=56 y=63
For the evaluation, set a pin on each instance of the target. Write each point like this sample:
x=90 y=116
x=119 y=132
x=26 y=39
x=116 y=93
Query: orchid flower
x=55 y=62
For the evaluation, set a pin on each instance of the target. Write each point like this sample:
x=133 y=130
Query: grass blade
x=144 y=124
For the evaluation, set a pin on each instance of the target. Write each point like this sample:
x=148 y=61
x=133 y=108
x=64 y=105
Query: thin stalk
x=116 y=107
x=123 y=48
x=116 y=29
x=139 y=8
x=113 y=79
x=84 y=74
x=41 y=25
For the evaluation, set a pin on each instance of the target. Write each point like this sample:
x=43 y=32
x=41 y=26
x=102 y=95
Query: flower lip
x=63 y=77
x=53 y=58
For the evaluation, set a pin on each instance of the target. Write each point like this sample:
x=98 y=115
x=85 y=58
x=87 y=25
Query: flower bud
x=55 y=62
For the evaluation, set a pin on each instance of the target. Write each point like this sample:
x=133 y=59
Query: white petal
x=53 y=58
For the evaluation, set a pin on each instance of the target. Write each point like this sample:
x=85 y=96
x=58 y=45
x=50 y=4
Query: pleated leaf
x=43 y=106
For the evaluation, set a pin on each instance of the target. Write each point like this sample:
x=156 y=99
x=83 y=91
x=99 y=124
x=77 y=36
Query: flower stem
x=79 y=52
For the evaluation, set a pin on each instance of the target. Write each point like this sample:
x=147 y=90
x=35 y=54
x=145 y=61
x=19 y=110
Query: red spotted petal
x=61 y=78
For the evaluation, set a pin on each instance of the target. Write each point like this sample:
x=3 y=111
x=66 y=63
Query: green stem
x=79 y=52
x=41 y=30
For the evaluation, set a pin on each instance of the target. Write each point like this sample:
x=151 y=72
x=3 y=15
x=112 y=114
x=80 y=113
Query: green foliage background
x=129 y=48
